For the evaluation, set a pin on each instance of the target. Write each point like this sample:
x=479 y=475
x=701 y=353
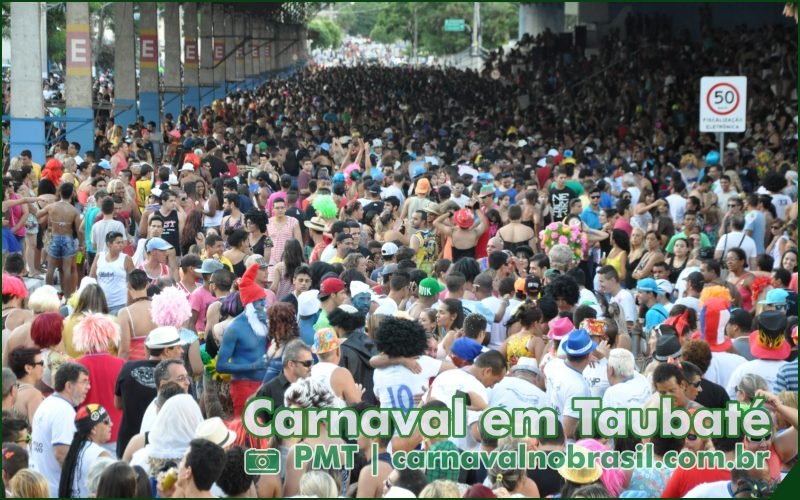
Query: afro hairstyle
x=397 y=337
x=345 y=320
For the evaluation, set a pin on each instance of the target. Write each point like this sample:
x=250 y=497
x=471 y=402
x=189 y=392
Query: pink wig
x=613 y=479
x=96 y=332
x=171 y=308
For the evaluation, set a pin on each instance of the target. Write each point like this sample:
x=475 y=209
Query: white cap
x=377 y=143
x=732 y=145
x=542 y=162
x=173 y=180
x=187 y=167
x=665 y=286
x=588 y=150
x=308 y=303
x=527 y=364
x=357 y=287
x=388 y=249
x=552 y=152
x=522 y=143
x=162 y=338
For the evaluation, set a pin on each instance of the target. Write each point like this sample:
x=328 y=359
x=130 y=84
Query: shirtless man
x=64 y=221
x=244 y=343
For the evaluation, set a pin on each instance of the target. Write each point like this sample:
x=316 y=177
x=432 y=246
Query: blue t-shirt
x=590 y=218
x=754 y=221
x=654 y=316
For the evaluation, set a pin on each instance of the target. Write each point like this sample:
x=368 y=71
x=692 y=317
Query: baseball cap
x=187 y=167
x=776 y=296
x=308 y=303
x=375 y=188
x=104 y=164
x=157 y=244
x=430 y=287
x=649 y=285
x=191 y=260
x=388 y=249
x=665 y=286
x=390 y=269
x=210 y=266
x=162 y=338
x=330 y=286
x=466 y=349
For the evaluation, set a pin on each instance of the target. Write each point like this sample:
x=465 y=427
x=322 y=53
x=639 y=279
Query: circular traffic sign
x=723 y=99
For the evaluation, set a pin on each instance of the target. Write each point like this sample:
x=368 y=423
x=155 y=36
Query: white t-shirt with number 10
x=398 y=387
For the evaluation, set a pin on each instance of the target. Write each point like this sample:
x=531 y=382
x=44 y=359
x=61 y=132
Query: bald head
x=495 y=244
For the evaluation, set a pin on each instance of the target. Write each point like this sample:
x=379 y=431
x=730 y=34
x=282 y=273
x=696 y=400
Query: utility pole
x=476 y=29
x=416 y=38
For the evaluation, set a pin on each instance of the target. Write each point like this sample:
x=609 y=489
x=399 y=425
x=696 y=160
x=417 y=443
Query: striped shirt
x=786 y=379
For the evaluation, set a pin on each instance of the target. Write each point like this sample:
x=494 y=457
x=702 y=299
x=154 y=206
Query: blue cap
x=338 y=177
x=157 y=244
x=712 y=158
x=568 y=153
x=417 y=169
x=776 y=296
x=649 y=285
x=105 y=164
x=485 y=176
x=325 y=146
x=466 y=349
x=579 y=343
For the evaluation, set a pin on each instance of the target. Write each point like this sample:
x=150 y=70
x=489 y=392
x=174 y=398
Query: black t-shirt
x=712 y=396
x=136 y=386
x=290 y=165
x=549 y=481
x=559 y=200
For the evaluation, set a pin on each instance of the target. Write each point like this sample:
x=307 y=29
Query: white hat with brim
x=163 y=337
x=213 y=429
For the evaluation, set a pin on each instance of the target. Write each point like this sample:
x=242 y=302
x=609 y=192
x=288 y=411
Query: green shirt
x=704 y=241
x=442 y=471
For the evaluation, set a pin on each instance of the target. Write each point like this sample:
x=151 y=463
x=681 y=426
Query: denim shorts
x=62 y=247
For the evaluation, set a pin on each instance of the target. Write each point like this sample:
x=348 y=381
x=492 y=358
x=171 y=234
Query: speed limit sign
x=723 y=104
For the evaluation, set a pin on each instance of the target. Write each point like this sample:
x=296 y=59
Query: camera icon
x=259 y=462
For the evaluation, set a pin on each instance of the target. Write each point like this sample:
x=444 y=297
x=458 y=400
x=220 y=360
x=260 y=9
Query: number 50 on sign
x=723 y=104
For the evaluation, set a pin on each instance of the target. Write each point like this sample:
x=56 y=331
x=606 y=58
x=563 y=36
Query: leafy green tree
x=396 y=22
x=358 y=18
x=329 y=35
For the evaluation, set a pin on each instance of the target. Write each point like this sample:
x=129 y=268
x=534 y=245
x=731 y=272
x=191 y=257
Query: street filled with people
x=554 y=227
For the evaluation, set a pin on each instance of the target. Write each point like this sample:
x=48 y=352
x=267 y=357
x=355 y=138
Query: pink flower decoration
x=563 y=240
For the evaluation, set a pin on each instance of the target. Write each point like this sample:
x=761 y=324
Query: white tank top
x=322 y=372
x=112 y=278
x=212 y=221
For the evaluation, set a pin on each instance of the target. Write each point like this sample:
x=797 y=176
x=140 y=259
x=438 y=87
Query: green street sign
x=454 y=25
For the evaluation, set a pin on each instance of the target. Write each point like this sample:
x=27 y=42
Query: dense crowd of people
x=391 y=237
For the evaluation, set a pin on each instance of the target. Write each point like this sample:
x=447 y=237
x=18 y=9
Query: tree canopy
x=328 y=34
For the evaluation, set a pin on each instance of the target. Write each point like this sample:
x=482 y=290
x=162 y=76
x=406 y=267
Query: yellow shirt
x=222 y=259
x=143 y=189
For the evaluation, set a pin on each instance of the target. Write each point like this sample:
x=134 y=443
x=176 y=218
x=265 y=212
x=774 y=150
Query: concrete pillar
x=149 y=99
x=536 y=18
x=27 y=101
x=206 y=55
x=191 y=82
x=173 y=89
x=78 y=84
x=238 y=33
x=267 y=32
x=248 y=51
x=230 y=43
x=219 y=62
x=125 y=110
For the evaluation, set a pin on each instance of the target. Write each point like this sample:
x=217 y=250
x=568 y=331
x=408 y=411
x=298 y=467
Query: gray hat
x=389 y=269
x=210 y=266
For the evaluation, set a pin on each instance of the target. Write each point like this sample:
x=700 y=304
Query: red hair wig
x=46 y=329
